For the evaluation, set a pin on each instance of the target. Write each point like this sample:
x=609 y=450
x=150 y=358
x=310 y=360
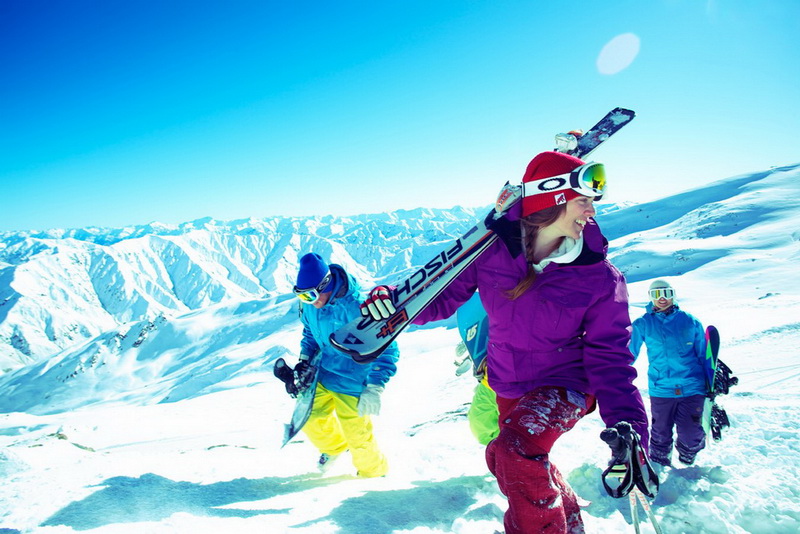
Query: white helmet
x=661 y=288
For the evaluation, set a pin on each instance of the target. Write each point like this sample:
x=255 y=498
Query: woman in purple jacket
x=558 y=336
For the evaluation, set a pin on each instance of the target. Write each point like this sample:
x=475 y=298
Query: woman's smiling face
x=573 y=219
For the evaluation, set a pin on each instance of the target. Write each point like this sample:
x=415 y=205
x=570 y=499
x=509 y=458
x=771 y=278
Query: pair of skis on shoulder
x=365 y=338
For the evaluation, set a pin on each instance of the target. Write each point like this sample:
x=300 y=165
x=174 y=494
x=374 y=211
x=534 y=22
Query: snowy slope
x=172 y=423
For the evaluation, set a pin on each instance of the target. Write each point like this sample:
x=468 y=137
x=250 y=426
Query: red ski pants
x=539 y=499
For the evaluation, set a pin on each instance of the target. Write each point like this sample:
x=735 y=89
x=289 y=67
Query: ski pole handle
x=624 y=429
x=618 y=438
x=610 y=436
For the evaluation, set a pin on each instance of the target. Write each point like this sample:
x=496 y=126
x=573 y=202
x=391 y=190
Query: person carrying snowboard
x=347 y=393
x=676 y=348
x=473 y=327
x=558 y=335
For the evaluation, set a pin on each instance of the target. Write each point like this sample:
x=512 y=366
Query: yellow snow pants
x=334 y=426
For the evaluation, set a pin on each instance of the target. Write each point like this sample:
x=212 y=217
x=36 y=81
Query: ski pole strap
x=629 y=464
x=624 y=477
x=644 y=476
x=620 y=468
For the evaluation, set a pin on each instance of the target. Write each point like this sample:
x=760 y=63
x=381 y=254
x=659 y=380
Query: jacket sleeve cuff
x=305 y=356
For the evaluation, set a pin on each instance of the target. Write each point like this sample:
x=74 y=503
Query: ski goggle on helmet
x=662 y=293
x=588 y=180
x=312 y=294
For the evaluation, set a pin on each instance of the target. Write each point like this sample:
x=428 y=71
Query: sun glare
x=618 y=54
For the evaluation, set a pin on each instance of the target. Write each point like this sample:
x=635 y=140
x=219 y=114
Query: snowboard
x=712 y=353
x=364 y=339
x=473 y=325
x=304 y=400
x=719 y=379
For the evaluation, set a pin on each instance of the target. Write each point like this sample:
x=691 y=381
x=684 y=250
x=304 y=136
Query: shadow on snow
x=154 y=498
x=429 y=504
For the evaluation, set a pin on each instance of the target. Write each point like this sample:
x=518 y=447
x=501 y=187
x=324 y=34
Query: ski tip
x=355 y=355
x=625 y=111
x=364 y=358
x=342 y=347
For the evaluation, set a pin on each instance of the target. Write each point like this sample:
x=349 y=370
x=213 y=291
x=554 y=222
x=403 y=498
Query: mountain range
x=59 y=288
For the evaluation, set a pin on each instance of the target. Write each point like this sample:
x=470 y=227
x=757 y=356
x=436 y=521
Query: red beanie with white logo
x=546 y=165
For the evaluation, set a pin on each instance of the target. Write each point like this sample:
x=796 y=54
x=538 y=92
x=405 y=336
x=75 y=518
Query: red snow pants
x=539 y=499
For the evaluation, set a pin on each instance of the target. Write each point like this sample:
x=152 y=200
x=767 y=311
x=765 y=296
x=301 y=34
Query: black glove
x=285 y=374
x=618 y=438
x=303 y=375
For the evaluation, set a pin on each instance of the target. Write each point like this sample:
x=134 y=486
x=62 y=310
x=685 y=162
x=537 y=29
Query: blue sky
x=118 y=113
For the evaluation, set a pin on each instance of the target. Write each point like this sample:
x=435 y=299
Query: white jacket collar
x=567 y=252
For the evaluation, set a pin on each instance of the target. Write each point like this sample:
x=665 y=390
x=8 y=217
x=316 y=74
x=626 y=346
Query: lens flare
x=618 y=54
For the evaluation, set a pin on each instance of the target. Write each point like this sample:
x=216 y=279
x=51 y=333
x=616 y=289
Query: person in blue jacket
x=676 y=375
x=348 y=393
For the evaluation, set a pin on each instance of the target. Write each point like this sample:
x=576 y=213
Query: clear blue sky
x=115 y=113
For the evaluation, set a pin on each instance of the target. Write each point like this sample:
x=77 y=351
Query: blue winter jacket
x=676 y=347
x=338 y=372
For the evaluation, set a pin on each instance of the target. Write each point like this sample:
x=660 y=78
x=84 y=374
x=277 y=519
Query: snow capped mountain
x=62 y=287
x=742 y=220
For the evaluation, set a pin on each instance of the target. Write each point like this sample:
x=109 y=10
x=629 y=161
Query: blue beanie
x=312 y=270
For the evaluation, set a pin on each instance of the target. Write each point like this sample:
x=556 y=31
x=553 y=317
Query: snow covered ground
x=213 y=464
x=175 y=426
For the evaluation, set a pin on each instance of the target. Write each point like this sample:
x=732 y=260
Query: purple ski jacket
x=570 y=329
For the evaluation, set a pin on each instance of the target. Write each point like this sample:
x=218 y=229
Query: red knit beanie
x=545 y=165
